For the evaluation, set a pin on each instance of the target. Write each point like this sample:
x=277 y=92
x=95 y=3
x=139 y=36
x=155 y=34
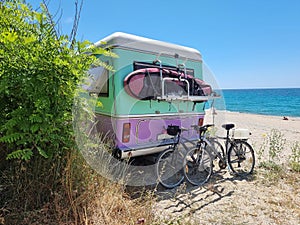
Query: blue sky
x=246 y=43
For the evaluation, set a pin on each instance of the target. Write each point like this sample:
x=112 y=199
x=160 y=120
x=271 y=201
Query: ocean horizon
x=265 y=101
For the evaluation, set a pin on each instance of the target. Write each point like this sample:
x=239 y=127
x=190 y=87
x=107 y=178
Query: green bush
x=38 y=80
x=295 y=157
x=276 y=144
x=42 y=174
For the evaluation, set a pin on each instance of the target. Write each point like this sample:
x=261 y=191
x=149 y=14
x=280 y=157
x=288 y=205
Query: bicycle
x=171 y=166
x=197 y=167
x=239 y=154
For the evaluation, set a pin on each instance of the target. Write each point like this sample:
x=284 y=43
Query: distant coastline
x=259 y=88
x=262 y=101
x=264 y=115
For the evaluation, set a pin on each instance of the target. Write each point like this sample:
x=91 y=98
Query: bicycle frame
x=178 y=139
x=204 y=140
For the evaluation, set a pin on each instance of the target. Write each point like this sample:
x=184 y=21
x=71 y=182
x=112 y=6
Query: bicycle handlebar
x=174 y=130
x=202 y=128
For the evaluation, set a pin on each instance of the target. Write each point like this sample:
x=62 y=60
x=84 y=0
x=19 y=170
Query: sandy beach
x=230 y=200
x=260 y=127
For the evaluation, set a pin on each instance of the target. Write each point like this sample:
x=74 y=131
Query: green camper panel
x=127 y=105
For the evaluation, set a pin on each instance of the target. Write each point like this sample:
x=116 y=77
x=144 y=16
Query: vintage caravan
x=154 y=84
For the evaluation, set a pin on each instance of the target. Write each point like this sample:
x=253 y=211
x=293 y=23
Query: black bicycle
x=238 y=154
x=174 y=163
x=198 y=161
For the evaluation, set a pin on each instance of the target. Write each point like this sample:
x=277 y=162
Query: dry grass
x=79 y=196
x=107 y=203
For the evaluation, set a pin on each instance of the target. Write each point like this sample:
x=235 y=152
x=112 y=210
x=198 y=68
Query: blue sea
x=278 y=102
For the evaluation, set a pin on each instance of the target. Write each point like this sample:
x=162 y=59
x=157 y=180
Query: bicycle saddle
x=228 y=126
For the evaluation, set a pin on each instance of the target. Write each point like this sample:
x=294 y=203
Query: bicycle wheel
x=169 y=168
x=198 y=166
x=220 y=150
x=241 y=158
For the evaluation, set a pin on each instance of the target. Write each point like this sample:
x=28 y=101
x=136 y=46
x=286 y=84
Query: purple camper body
x=150 y=133
x=147 y=135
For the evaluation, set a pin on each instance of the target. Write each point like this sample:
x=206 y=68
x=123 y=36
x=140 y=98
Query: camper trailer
x=153 y=84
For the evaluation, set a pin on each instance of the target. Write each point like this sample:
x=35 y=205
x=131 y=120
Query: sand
x=260 y=127
x=226 y=199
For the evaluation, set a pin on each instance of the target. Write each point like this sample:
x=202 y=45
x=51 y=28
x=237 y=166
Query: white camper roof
x=137 y=43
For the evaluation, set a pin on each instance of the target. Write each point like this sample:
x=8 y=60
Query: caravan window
x=98 y=81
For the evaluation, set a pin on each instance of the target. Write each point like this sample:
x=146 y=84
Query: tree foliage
x=39 y=74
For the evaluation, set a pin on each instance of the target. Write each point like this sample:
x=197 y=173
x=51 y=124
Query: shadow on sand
x=187 y=199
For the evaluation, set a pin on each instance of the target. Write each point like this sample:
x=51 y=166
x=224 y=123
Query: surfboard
x=146 y=84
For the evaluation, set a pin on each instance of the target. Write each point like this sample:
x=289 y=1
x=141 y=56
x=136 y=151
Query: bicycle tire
x=198 y=166
x=241 y=158
x=169 y=168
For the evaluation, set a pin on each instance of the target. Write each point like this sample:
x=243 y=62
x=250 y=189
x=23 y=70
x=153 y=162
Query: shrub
x=295 y=157
x=42 y=174
x=276 y=144
x=38 y=79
